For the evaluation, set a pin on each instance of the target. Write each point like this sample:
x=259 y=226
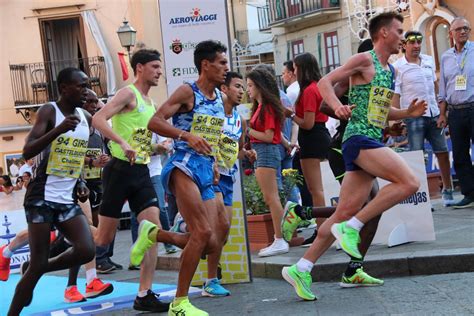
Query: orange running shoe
x=4 y=265
x=98 y=288
x=72 y=295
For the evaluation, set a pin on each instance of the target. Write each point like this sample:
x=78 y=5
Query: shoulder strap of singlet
x=81 y=114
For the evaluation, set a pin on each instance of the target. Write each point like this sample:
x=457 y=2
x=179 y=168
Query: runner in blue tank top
x=197 y=111
x=231 y=148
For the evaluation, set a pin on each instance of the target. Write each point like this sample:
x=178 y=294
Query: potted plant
x=259 y=219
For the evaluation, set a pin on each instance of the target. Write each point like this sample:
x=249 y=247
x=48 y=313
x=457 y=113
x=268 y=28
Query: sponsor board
x=184 y=24
x=13 y=221
x=412 y=214
x=432 y=164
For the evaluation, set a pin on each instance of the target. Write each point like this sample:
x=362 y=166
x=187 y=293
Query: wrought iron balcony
x=284 y=11
x=34 y=84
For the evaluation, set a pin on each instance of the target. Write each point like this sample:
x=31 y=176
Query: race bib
x=208 y=127
x=461 y=83
x=140 y=141
x=228 y=152
x=380 y=100
x=92 y=172
x=66 y=158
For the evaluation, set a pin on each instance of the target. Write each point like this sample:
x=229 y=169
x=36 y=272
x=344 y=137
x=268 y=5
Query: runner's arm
x=159 y=122
x=340 y=89
x=182 y=97
x=39 y=137
x=242 y=150
x=396 y=101
x=250 y=154
x=355 y=65
x=118 y=103
x=416 y=109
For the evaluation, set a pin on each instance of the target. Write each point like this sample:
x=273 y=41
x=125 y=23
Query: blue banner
x=432 y=162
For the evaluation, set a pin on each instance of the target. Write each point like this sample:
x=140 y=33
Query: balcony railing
x=281 y=10
x=263 y=18
x=35 y=83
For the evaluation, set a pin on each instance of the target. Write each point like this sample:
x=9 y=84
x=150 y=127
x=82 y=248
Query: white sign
x=184 y=24
x=410 y=220
x=13 y=221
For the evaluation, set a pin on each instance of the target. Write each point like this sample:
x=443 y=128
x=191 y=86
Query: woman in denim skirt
x=265 y=135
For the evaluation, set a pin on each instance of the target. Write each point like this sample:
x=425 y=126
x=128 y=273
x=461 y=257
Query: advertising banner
x=184 y=24
x=432 y=164
x=13 y=221
x=410 y=220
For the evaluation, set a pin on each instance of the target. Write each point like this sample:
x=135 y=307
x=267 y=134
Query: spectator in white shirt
x=416 y=79
x=27 y=167
x=289 y=80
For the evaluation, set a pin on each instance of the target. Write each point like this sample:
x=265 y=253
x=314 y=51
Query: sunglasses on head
x=415 y=38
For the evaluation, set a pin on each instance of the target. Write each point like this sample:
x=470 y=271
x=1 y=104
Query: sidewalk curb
x=420 y=263
x=392 y=265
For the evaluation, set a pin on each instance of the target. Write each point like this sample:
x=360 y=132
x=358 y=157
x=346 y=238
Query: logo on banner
x=177 y=46
x=20 y=255
x=415 y=199
x=184 y=71
x=195 y=17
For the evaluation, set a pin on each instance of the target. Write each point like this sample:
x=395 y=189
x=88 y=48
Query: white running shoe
x=276 y=248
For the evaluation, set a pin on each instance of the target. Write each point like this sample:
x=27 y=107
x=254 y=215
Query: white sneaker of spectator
x=279 y=246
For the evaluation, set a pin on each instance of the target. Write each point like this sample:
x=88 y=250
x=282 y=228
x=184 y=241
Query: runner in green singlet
x=365 y=157
x=126 y=176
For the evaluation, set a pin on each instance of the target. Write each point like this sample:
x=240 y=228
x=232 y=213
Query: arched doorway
x=436 y=31
x=440 y=39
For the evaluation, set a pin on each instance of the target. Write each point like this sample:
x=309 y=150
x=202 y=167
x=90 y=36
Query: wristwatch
x=292 y=116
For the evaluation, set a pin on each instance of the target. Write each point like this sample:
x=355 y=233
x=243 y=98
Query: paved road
x=444 y=294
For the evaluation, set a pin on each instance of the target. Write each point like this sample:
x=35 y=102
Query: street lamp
x=127 y=36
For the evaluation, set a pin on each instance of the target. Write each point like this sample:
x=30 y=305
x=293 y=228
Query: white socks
x=7 y=253
x=142 y=293
x=91 y=274
x=355 y=224
x=304 y=265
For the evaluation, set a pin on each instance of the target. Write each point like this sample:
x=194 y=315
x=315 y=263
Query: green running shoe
x=360 y=278
x=301 y=281
x=290 y=221
x=143 y=243
x=348 y=238
x=185 y=308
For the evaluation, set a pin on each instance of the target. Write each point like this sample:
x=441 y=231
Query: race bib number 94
x=140 y=141
x=66 y=158
x=208 y=127
x=380 y=101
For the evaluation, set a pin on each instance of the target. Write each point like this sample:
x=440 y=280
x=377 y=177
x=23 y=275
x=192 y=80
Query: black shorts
x=95 y=192
x=314 y=143
x=336 y=162
x=121 y=182
x=41 y=211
